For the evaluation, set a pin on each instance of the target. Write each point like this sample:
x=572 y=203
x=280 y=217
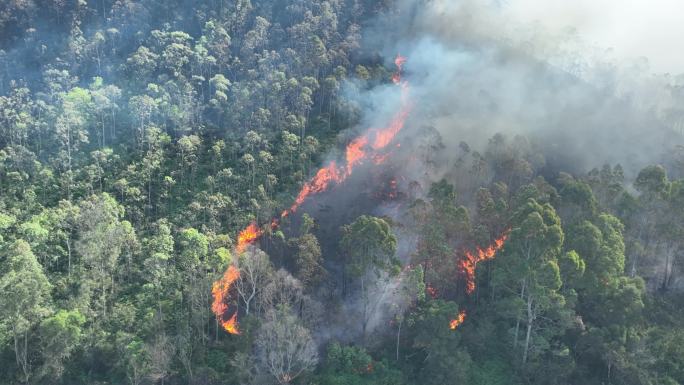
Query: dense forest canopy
x=331 y=192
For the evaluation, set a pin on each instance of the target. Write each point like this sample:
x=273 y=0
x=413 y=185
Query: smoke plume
x=475 y=73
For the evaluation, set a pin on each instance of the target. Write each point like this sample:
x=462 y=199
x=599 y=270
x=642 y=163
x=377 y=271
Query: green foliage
x=60 y=335
x=444 y=360
x=24 y=301
x=137 y=138
x=350 y=365
x=370 y=245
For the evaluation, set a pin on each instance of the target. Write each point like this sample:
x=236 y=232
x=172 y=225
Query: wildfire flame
x=458 y=320
x=399 y=62
x=220 y=290
x=249 y=235
x=469 y=263
x=356 y=152
x=468 y=266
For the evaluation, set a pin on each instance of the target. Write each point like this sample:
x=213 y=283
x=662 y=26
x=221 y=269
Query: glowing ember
x=248 y=236
x=431 y=291
x=220 y=290
x=458 y=320
x=380 y=158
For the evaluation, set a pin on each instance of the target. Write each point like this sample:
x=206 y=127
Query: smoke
x=474 y=72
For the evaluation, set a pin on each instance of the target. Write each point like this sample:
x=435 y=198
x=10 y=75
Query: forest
x=334 y=192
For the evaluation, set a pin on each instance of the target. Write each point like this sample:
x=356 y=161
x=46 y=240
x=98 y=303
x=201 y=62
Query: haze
x=631 y=29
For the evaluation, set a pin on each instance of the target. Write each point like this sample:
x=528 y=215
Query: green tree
x=439 y=347
x=529 y=267
x=102 y=238
x=370 y=248
x=24 y=302
x=60 y=335
x=351 y=365
x=308 y=259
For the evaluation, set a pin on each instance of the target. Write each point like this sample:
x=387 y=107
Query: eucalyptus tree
x=25 y=301
x=369 y=246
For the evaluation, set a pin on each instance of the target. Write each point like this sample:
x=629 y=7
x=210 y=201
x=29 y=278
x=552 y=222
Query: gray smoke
x=473 y=73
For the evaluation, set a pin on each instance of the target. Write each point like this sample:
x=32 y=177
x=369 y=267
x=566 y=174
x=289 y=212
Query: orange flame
x=399 y=62
x=320 y=182
x=458 y=320
x=469 y=263
x=220 y=290
x=384 y=136
x=248 y=236
x=468 y=266
x=355 y=154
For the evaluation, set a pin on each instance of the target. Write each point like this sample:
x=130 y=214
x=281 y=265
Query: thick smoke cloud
x=474 y=73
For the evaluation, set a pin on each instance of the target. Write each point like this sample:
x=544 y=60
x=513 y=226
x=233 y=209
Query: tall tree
x=24 y=301
x=102 y=238
x=285 y=348
x=370 y=249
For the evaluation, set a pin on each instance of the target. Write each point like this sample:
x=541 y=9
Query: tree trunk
x=517 y=323
x=401 y=321
x=20 y=354
x=666 y=273
x=69 y=254
x=530 y=320
x=364 y=298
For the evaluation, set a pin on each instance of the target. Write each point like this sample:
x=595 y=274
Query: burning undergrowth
x=378 y=174
x=370 y=148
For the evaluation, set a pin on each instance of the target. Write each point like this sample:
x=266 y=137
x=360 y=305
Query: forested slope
x=139 y=138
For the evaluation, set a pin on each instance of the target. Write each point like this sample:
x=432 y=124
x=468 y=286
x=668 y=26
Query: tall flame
x=220 y=290
x=468 y=266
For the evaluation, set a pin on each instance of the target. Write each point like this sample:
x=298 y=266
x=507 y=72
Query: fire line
x=362 y=148
x=467 y=267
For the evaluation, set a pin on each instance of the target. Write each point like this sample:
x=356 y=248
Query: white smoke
x=475 y=71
